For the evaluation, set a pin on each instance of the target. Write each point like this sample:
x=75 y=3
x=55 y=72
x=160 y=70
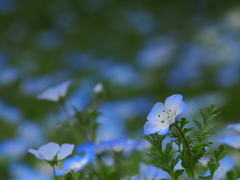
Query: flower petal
x=153 y=127
x=233 y=141
x=64 y=87
x=36 y=153
x=49 y=150
x=164 y=131
x=156 y=110
x=65 y=150
x=175 y=104
x=234 y=126
x=49 y=94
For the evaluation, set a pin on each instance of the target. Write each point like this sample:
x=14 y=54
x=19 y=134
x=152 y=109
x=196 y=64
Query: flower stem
x=71 y=121
x=54 y=172
x=118 y=165
x=189 y=152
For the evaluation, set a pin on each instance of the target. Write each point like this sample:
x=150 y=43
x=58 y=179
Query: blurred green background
x=142 y=52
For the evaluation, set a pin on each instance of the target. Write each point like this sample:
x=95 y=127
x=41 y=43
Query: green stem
x=54 y=172
x=118 y=165
x=71 y=121
x=189 y=152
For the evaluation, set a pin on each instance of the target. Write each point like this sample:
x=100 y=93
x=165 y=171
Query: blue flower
x=233 y=141
x=162 y=115
x=51 y=151
x=55 y=93
x=122 y=145
x=150 y=172
x=75 y=163
x=234 y=126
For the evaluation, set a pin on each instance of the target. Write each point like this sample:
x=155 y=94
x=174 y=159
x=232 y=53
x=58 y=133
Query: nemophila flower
x=163 y=115
x=76 y=163
x=234 y=126
x=122 y=145
x=52 y=152
x=150 y=172
x=98 y=148
x=233 y=141
x=55 y=93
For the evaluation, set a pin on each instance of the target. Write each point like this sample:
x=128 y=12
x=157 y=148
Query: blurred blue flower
x=150 y=172
x=233 y=141
x=234 y=126
x=55 y=93
x=136 y=19
x=113 y=72
x=50 y=39
x=228 y=75
x=7 y=6
x=13 y=148
x=20 y=171
x=75 y=163
x=9 y=75
x=31 y=132
x=10 y=113
x=156 y=53
x=50 y=150
x=122 y=145
x=162 y=115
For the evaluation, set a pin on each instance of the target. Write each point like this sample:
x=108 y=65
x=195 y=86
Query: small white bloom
x=55 y=93
x=50 y=150
x=162 y=115
x=98 y=88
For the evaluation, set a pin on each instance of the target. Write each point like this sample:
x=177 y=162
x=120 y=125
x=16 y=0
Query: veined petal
x=36 y=153
x=49 y=150
x=153 y=127
x=65 y=150
x=175 y=104
x=156 y=110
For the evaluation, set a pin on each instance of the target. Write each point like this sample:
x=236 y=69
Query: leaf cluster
x=167 y=163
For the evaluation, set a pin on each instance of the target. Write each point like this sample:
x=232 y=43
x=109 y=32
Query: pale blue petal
x=56 y=92
x=49 y=150
x=153 y=127
x=226 y=164
x=36 y=153
x=234 y=126
x=175 y=104
x=233 y=141
x=164 y=131
x=49 y=94
x=65 y=150
x=64 y=87
x=181 y=108
x=157 y=109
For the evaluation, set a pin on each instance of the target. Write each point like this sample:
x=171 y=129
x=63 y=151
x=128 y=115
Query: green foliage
x=191 y=144
x=167 y=163
x=69 y=175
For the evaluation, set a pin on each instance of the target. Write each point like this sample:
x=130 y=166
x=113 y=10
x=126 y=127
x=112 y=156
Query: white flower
x=162 y=115
x=55 y=93
x=50 y=150
x=98 y=88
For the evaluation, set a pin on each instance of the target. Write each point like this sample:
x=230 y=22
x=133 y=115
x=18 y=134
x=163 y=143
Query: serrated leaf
x=173 y=163
x=162 y=167
x=178 y=172
x=199 y=125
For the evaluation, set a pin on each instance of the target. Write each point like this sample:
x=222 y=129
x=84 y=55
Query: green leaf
x=199 y=125
x=178 y=172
